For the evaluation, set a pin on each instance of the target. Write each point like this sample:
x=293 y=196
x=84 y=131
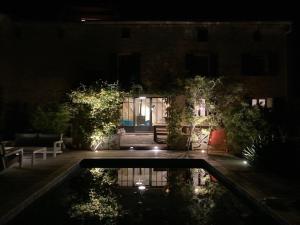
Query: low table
x=35 y=150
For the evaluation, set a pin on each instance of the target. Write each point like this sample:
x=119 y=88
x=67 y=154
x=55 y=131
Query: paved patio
x=21 y=186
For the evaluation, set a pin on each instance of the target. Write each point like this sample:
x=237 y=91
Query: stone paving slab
x=21 y=186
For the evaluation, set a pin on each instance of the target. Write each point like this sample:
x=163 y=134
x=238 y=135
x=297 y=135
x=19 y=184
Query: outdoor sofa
x=51 y=142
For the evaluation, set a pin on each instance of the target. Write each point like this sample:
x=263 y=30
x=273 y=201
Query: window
x=125 y=177
x=125 y=33
x=204 y=65
x=127 y=112
x=159 y=111
x=259 y=64
x=159 y=178
x=143 y=111
x=189 y=33
x=202 y=34
x=262 y=102
x=128 y=69
x=200 y=108
x=254 y=65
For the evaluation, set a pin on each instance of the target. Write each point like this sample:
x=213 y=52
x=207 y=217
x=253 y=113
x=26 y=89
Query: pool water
x=122 y=196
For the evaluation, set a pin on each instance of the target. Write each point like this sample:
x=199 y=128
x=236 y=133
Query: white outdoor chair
x=57 y=148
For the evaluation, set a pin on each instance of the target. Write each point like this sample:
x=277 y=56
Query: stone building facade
x=40 y=62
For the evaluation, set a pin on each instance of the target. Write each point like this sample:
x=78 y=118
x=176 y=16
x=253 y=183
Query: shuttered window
x=203 y=65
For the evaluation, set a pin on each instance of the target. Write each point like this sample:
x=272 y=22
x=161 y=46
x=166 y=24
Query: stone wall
x=40 y=62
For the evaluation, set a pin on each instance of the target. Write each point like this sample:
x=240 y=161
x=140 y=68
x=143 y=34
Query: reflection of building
x=156 y=177
x=153 y=177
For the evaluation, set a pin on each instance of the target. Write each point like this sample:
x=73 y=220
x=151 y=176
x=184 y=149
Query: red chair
x=217 y=141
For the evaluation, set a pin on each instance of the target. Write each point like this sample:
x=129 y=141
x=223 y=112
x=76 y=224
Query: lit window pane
x=262 y=102
x=269 y=102
x=254 y=102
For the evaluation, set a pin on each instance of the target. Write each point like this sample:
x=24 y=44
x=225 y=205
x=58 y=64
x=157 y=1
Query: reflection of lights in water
x=142 y=188
x=139 y=183
x=245 y=162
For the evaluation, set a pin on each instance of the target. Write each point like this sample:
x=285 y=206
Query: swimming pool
x=142 y=191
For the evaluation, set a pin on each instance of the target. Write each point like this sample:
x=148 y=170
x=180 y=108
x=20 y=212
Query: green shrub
x=175 y=139
x=243 y=123
x=96 y=111
x=257 y=152
x=53 y=118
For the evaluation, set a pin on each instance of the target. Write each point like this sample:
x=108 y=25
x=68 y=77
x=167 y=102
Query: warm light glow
x=202 y=151
x=262 y=102
x=245 y=162
x=155 y=149
x=142 y=97
x=254 y=102
x=142 y=187
x=196 y=190
x=139 y=183
x=131 y=148
x=82 y=19
x=96 y=150
x=167 y=190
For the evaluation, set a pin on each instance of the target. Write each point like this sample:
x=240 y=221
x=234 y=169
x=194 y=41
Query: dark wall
x=41 y=62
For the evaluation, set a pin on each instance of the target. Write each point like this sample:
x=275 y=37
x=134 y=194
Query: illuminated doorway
x=142 y=113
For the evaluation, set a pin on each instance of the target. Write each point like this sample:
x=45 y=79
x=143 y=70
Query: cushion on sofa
x=26 y=139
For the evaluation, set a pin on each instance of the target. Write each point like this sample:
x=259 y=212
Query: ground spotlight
x=156 y=148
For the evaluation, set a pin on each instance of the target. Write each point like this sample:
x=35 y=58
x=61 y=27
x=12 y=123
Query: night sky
x=156 y=10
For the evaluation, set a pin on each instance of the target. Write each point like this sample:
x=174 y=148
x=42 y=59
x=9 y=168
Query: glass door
x=159 y=111
x=142 y=111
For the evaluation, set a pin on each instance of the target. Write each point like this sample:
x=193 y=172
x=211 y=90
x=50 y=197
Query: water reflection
x=144 y=196
x=94 y=198
x=141 y=196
